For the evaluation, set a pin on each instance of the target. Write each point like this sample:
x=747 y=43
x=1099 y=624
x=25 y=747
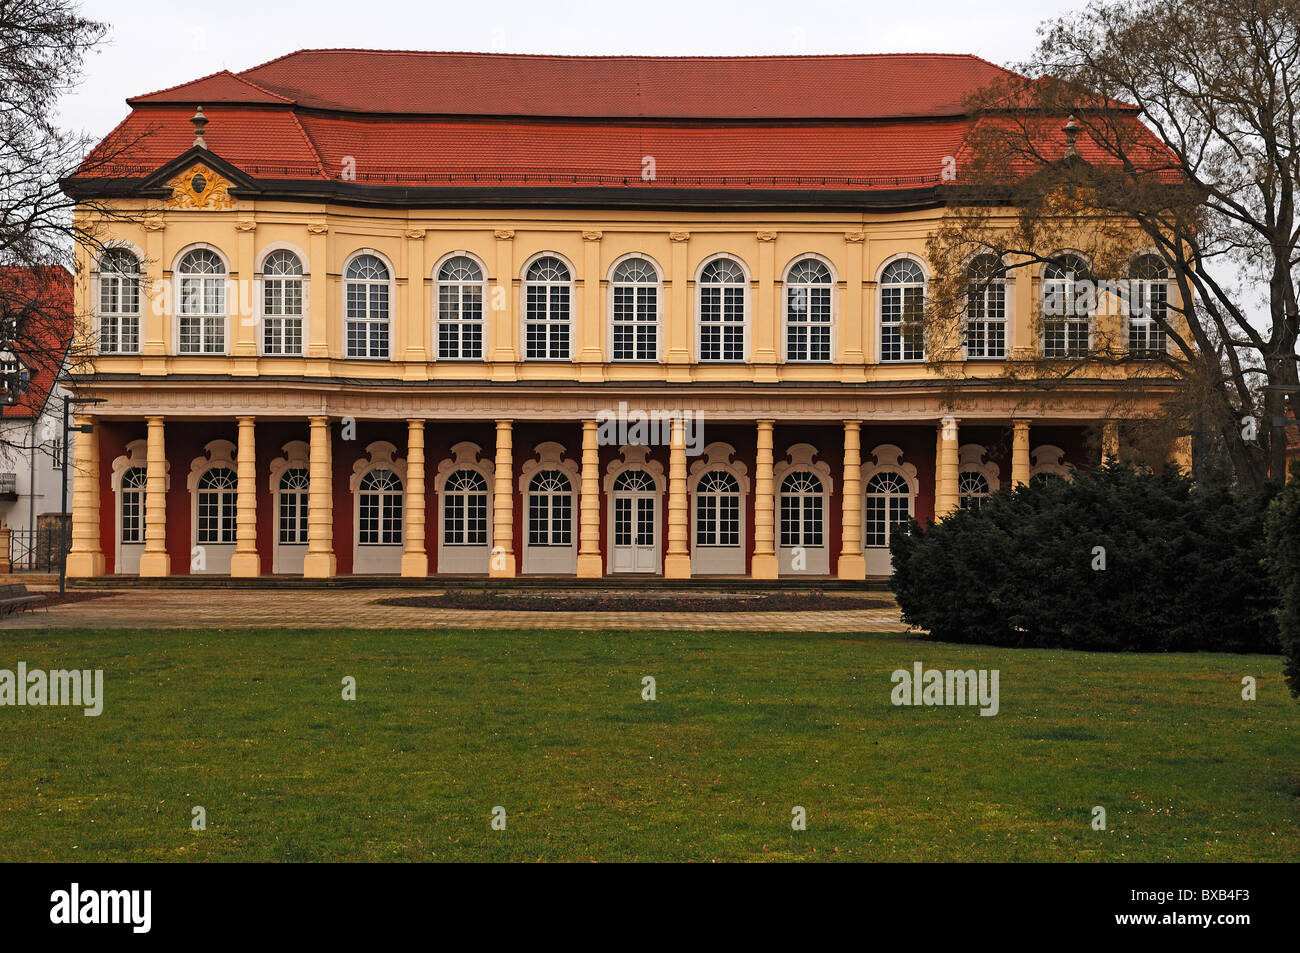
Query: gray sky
x=151 y=46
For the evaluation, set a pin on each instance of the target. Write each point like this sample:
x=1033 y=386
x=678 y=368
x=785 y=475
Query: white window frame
x=381 y=557
x=464 y=557
x=746 y=305
x=973 y=458
x=126 y=556
x=485 y=307
x=219 y=318
x=784 y=304
x=1141 y=286
x=711 y=560
x=391 y=285
x=288 y=558
x=303 y=281
x=217 y=454
x=611 y=294
x=881 y=285
x=802 y=458
x=635 y=457
x=561 y=560
x=1006 y=285
x=886 y=458
x=1070 y=286
x=525 y=284
x=119 y=316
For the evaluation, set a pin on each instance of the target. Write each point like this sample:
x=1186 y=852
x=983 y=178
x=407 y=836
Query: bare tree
x=1161 y=125
x=42 y=47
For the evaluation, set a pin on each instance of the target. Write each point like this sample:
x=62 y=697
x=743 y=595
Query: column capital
x=852 y=424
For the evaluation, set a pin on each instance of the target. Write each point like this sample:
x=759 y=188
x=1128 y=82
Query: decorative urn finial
x=1071 y=129
x=200 y=121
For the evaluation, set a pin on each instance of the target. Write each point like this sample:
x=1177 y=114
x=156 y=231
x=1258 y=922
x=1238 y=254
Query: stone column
x=1019 y=452
x=1109 y=441
x=415 y=559
x=852 y=562
x=154 y=561
x=763 y=564
x=85 y=557
x=503 y=506
x=677 y=564
x=320 y=562
x=245 y=561
x=945 y=488
x=590 y=564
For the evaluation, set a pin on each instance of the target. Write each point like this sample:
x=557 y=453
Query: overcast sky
x=153 y=44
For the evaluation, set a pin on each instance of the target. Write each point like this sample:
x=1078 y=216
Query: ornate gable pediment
x=200 y=187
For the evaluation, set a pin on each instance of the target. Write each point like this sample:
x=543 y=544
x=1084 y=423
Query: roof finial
x=199 y=120
x=1071 y=129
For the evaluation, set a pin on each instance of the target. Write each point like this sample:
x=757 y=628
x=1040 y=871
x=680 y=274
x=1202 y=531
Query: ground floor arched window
x=803 y=488
x=972 y=489
x=718 y=485
x=379 y=504
x=634 y=543
x=291 y=499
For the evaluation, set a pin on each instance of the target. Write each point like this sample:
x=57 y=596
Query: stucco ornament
x=198 y=187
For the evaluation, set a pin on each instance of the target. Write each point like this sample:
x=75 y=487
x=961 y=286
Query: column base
x=245 y=565
x=502 y=566
x=81 y=565
x=677 y=566
x=851 y=566
x=415 y=565
x=155 y=565
x=763 y=566
x=590 y=566
x=319 y=566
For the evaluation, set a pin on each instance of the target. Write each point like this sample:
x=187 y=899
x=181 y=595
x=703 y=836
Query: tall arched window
x=986 y=309
x=282 y=299
x=717 y=510
x=379 y=512
x=902 y=307
x=217 y=506
x=547 y=310
x=202 y=303
x=635 y=311
x=119 y=302
x=889 y=504
x=1068 y=302
x=722 y=290
x=460 y=310
x=972 y=489
x=293 y=496
x=550 y=509
x=366 y=284
x=465 y=509
x=808 y=287
x=1148 y=307
x=801 y=510
x=131 y=500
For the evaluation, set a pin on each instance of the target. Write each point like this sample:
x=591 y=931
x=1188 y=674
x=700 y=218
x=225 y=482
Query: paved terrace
x=302 y=608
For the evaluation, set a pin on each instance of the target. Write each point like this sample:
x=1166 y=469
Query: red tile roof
x=42 y=296
x=881 y=122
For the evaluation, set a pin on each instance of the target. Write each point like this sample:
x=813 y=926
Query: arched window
x=460 y=310
x=550 y=509
x=808 y=311
x=379 y=511
x=1068 y=302
x=801 y=510
x=1148 y=307
x=717 y=510
x=294 y=487
x=972 y=489
x=547 y=292
x=132 y=502
x=217 y=505
x=119 y=302
x=465 y=509
x=282 y=297
x=902 y=307
x=722 y=311
x=635 y=311
x=986 y=309
x=367 y=291
x=202 y=303
x=889 y=504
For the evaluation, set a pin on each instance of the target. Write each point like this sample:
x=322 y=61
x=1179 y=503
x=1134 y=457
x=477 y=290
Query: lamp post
x=68 y=401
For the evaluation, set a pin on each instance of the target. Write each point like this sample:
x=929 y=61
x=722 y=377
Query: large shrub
x=1182 y=567
x=1283 y=540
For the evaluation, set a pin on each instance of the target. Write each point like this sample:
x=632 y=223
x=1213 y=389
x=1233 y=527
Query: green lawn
x=551 y=726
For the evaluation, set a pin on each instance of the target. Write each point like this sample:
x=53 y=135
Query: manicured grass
x=551 y=726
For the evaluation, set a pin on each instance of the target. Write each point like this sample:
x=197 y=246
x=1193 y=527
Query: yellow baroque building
x=367 y=313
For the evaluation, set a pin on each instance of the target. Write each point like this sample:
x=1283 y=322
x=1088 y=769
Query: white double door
x=635 y=543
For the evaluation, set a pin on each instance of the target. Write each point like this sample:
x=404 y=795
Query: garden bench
x=15 y=598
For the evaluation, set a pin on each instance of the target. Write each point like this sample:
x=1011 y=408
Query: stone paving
x=354 y=608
